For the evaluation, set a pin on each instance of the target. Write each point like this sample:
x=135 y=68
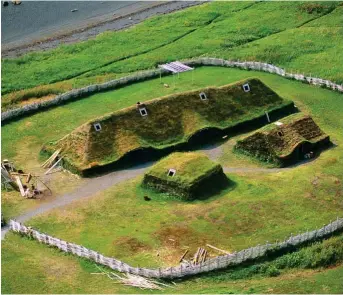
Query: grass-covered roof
x=188 y=176
x=280 y=139
x=189 y=167
x=171 y=120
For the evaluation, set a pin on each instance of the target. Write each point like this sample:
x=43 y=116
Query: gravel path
x=101 y=183
x=91 y=187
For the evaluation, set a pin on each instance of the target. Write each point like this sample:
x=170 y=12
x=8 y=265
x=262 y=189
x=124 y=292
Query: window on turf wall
x=280 y=133
x=143 y=112
x=97 y=126
x=171 y=172
x=203 y=96
x=246 y=87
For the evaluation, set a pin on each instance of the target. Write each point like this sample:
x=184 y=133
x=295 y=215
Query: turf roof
x=280 y=141
x=171 y=120
x=190 y=167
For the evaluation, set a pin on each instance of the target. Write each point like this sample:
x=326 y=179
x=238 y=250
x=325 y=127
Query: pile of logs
x=26 y=183
x=200 y=255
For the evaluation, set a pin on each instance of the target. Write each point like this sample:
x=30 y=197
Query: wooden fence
x=205 y=61
x=182 y=270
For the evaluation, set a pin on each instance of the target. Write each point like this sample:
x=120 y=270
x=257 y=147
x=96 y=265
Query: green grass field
x=260 y=207
x=257 y=207
x=304 y=41
x=22 y=140
x=49 y=271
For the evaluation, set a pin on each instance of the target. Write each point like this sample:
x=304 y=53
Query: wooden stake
x=183 y=256
x=53 y=166
x=195 y=256
x=51 y=159
x=29 y=176
x=20 y=185
x=215 y=248
x=37 y=178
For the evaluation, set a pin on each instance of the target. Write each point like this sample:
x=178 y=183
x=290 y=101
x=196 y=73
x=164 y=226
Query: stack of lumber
x=49 y=162
x=200 y=256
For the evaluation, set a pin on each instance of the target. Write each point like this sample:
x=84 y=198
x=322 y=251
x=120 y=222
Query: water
x=36 y=19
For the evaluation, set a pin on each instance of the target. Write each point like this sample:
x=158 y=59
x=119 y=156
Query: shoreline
x=108 y=22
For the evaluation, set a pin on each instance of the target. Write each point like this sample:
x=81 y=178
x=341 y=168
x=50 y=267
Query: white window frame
x=173 y=171
x=97 y=126
x=143 y=112
x=246 y=87
x=201 y=94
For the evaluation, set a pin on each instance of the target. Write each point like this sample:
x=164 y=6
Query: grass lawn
x=22 y=140
x=118 y=222
x=46 y=270
x=305 y=40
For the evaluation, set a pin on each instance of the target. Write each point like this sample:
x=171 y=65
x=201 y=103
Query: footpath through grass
x=302 y=36
x=23 y=139
x=120 y=223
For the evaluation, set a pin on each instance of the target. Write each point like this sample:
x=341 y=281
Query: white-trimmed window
x=171 y=172
x=246 y=87
x=143 y=112
x=203 y=96
x=97 y=126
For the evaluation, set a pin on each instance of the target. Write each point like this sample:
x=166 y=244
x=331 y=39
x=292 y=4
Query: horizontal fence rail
x=182 y=270
x=205 y=61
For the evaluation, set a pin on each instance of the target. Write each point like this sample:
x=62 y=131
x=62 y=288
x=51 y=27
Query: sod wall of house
x=202 y=186
x=172 y=121
x=285 y=144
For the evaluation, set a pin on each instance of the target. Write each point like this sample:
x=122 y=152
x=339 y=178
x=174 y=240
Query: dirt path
x=95 y=185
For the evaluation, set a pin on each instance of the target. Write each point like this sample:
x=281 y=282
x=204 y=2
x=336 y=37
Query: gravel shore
x=84 y=27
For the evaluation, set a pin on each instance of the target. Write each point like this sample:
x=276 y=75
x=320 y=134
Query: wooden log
x=215 y=248
x=29 y=176
x=8 y=179
x=48 y=162
x=183 y=256
x=20 y=185
x=53 y=166
x=204 y=256
x=195 y=256
x=199 y=255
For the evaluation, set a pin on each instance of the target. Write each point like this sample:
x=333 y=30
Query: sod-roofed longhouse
x=189 y=175
x=166 y=122
x=286 y=141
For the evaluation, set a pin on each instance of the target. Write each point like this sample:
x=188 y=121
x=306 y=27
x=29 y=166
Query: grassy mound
x=186 y=175
x=170 y=121
x=286 y=141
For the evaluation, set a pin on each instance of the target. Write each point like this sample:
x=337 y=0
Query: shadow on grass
x=207 y=192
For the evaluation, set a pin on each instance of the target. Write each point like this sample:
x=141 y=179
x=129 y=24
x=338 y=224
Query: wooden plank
x=53 y=166
x=20 y=185
x=51 y=159
x=195 y=256
x=183 y=256
x=28 y=178
x=8 y=179
x=215 y=248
